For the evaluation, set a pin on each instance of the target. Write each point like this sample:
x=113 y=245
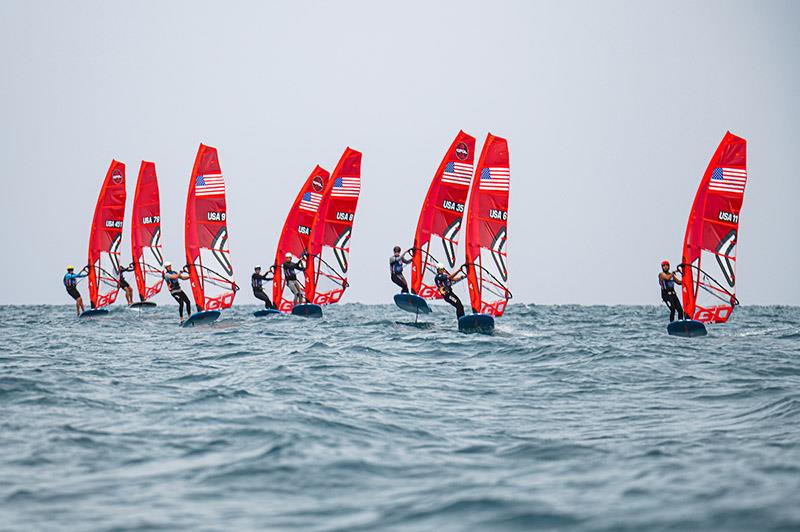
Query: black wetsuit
x=669 y=297
x=71 y=282
x=290 y=279
x=257 y=281
x=177 y=293
x=396 y=271
x=445 y=285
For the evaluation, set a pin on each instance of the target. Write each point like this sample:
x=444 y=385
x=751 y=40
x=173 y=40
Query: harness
x=289 y=269
x=396 y=264
x=257 y=281
x=70 y=280
x=442 y=280
x=173 y=284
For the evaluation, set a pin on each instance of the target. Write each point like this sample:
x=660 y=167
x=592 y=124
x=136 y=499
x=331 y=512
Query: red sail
x=208 y=256
x=709 y=248
x=106 y=237
x=296 y=232
x=487 y=229
x=328 y=254
x=148 y=263
x=436 y=239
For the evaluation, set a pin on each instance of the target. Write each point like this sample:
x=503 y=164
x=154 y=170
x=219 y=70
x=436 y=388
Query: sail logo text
x=216 y=216
x=728 y=217
x=147 y=220
x=303 y=230
x=452 y=206
x=498 y=215
x=115 y=224
x=344 y=216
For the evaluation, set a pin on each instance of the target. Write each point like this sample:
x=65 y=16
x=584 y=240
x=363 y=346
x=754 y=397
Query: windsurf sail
x=148 y=262
x=208 y=256
x=709 y=247
x=296 y=232
x=329 y=250
x=486 y=231
x=105 y=238
x=436 y=238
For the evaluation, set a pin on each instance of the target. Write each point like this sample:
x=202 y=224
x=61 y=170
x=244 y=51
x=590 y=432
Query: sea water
x=569 y=418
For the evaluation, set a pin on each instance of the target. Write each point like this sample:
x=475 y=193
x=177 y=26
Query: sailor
x=71 y=283
x=290 y=277
x=124 y=284
x=173 y=279
x=667 y=280
x=396 y=262
x=257 y=281
x=444 y=282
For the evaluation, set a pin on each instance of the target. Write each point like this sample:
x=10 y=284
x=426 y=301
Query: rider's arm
x=676 y=278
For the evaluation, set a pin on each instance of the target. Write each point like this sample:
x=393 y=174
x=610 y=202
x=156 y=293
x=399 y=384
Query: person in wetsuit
x=396 y=262
x=290 y=269
x=173 y=279
x=444 y=282
x=71 y=283
x=124 y=284
x=257 y=281
x=667 y=281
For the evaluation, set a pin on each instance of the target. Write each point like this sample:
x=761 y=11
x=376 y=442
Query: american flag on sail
x=209 y=185
x=457 y=174
x=310 y=201
x=495 y=178
x=730 y=180
x=346 y=187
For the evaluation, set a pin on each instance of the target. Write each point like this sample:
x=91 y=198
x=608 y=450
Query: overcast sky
x=611 y=109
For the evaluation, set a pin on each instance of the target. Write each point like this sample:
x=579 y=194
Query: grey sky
x=612 y=111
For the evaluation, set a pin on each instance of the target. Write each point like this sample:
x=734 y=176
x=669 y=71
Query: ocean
x=569 y=418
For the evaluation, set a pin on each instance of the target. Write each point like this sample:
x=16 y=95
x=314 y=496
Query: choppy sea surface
x=569 y=418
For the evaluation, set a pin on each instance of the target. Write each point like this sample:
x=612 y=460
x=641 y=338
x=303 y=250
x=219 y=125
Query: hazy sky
x=612 y=111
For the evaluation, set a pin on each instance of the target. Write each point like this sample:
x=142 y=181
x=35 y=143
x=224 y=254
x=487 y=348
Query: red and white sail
x=709 y=248
x=148 y=262
x=297 y=231
x=486 y=231
x=436 y=237
x=329 y=250
x=208 y=256
x=106 y=236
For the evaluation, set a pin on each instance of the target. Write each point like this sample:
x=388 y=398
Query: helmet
x=70 y=267
x=289 y=255
x=258 y=267
x=663 y=262
x=439 y=266
x=167 y=264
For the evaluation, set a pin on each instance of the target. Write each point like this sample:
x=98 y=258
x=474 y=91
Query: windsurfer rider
x=444 y=282
x=290 y=269
x=124 y=284
x=258 y=285
x=173 y=279
x=667 y=281
x=71 y=283
x=396 y=262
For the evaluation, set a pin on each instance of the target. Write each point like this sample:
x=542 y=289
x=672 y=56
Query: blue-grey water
x=570 y=418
